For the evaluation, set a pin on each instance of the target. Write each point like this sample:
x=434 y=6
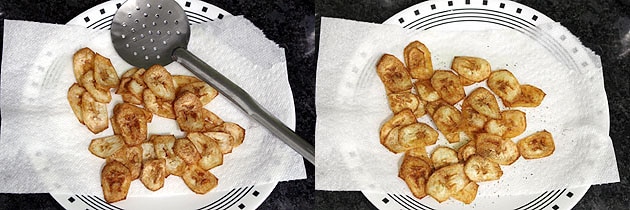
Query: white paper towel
x=43 y=148
x=352 y=105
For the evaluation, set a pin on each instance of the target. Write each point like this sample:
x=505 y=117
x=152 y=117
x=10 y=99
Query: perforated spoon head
x=146 y=32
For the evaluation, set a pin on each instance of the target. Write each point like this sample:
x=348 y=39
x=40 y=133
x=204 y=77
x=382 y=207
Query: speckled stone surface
x=602 y=25
x=291 y=24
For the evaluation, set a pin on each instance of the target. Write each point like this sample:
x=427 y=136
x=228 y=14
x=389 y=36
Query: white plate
x=100 y=17
x=482 y=15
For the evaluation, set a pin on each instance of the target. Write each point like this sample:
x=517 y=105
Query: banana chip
x=181 y=80
x=511 y=124
x=426 y=91
x=157 y=105
x=211 y=155
x=211 y=121
x=75 y=92
x=82 y=62
x=530 y=96
x=224 y=140
x=136 y=87
x=105 y=146
x=115 y=181
x=505 y=85
x=465 y=151
x=391 y=141
x=132 y=123
x=393 y=74
x=431 y=107
x=99 y=93
x=472 y=69
x=443 y=156
x=131 y=157
x=404 y=117
x=160 y=81
x=202 y=90
x=446 y=181
x=480 y=169
x=472 y=121
x=199 y=180
x=188 y=112
x=482 y=101
x=404 y=100
x=153 y=174
x=236 y=131
x=186 y=150
x=497 y=149
x=415 y=171
x=468 y=194
x=148 y=151
x=418 y=60
x=163 y=145
x=537 y=145
x=448 y=86
x=104 y=73
x=447 y=119
x=417 y=135
x=94 y=113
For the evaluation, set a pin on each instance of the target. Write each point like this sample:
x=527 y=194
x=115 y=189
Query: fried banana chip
x=163 y=145
x=417 y=135
x=153 y=174
x=236 y=131
x=471 y=68
x=446 y=181
x=484 y=102
x=211 y=120
x=99 y=94
x=105 y=146
x=202 y=90
x=530 y=96
x=505 y=85
x=448 y=86
x=497 y=149
x=391 y=141
x=537 y=145
x=393 y=74
x=468 y=194
x=432 y=106
x=480 y=169
x=157 y=105
x=404 y=117
x=418 y=60
x=443 y=156
x=115 y=181
x=465 y=151
x=148 y=151
x=132 y=123
x=82 y=62
x=188 y=112
x=136 y=86
x=224 y=140
x=211 y=155
x=415 y=171
x=511 y=124
x=181 y=80
x=104 y=73
x=94 y=113
x=472 y=121
x=403 y=100
x=160 y=81
x=447 y=119
x=131 y=157
x=186 y=150
x=75 y=92
x=426 y=91
x=199 y=180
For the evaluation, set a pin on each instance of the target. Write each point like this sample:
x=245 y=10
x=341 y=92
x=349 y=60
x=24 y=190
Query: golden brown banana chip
x=211 y=121
x=188 y=112
x=153 y=174
x=202 y=90
x=415 y=166
x=468 y=194
x=160 y=81
x=426 y=91
x=163 y=145
x=431 y=107
x=443 y=156
x=537 y=145
x=75 y=93
x=391 y=141
x=181 y=80
x=99 y=94
x=505 y=85
x=530 y=96
x=224 y=140
x=132 y=123
x=211 y=155
x=136 y=85
x=484 y=102
x=448 y=86
x=417 y=186
x=82 y=62
x=465 y=151
x=131 y=157
x=148 y=151
x=446 y=181
x=157 y=105
x=199 y=180
x=418 y=60
x=511 y=124
x=129 y=73
x=471 y=68
x=472 y=121
x=403 y=100
x=447 y=119
x=115 y=181
x=480 y=169
x=417 y=135
x=404 y=117
x=94 y=113
x=105 y=146
x=497 y=149
x=104 y=73
x=420 y=153
x=186 y=150
x=393 y=74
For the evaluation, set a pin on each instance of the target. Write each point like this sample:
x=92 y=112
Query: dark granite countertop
x=291 y=24
x=601 y=25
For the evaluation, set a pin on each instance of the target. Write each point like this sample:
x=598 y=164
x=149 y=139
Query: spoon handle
x=243 y=100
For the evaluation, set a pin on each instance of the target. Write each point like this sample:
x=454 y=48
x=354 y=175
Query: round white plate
x=100 y=17
x=482 y=15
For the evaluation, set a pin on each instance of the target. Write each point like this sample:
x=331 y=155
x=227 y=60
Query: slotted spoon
x=148 y=32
